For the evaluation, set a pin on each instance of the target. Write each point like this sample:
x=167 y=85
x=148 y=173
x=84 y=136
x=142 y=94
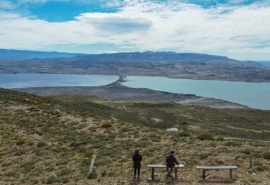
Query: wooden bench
x=153 y=166
x=204 y=168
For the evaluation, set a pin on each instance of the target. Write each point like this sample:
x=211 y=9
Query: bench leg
x=175 y=173
x=152 y=175
x=203 y=174
x=231 y=173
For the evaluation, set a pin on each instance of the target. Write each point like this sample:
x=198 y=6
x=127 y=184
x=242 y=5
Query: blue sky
x=239 y=29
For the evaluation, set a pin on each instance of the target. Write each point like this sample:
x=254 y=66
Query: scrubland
x=51 y=140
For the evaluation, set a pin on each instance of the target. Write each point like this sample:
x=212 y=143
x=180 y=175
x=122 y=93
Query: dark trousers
x=137 y=170
x=169 y=171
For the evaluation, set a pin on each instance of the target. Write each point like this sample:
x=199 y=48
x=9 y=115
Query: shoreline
x=117 y=91
x=198 y=101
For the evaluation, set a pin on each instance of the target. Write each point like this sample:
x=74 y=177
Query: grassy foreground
x=51 y=140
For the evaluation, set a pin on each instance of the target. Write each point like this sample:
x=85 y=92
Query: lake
x=254 y=95
x=22 y=80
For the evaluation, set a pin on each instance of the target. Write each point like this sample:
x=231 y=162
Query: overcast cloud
x=239 y=29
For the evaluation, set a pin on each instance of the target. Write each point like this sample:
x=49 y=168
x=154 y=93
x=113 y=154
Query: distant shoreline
x=117 y=91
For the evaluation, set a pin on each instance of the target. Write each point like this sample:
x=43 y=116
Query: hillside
x=167 y=64
x=50 y=140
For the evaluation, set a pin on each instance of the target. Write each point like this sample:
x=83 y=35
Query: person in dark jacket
x=170 y=162
x=137 y=158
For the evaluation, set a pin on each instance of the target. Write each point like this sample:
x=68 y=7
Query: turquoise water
x=254 y=95
x=22 y=80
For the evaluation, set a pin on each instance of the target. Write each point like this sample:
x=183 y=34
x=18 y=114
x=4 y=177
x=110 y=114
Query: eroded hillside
x=51 y=140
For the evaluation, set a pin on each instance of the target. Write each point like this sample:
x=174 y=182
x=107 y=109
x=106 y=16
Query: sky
x=238 y=29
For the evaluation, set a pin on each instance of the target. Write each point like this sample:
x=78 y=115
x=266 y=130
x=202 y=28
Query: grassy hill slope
x=50 y=140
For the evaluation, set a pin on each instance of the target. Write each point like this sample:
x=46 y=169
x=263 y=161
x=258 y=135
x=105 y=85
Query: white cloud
x=238 y=32
x=6 y=5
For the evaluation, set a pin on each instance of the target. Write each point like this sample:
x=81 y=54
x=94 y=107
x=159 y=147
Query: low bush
x=92 y=175
x=266 y=155
x=89 y=153
x=206 y=136
x=232 y=143
x=261 y=168
x=227 y=180
x=245 y=151
x=52 y=180
x=106 y=125
x=220 y=139
x=20 y=142
x=41 y=144
x=183 y=134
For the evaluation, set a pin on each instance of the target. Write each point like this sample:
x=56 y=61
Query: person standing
x=137 y=158
x=170 y=162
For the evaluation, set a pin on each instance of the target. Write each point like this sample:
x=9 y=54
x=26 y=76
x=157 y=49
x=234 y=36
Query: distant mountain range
x=156 y=56
x=16 y=55
x=149 y=56
x=167 y=64
x=264 y=63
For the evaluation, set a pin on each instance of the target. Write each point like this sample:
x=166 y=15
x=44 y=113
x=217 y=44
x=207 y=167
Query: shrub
x=65 y=180
x=92 y=175
x=184 y=123
x=11 y=174
x=227 y=180
x=20 y=142
x=222 y=149
x=232 y=143
x=31 y=178
x=111 y=174
x=125 y=129
x=64 y=172
x=89 y=153
x=266 y=155
x=183 y=134
x=202 y=156
x=106 y=125
x=261 y=168
x=93 y=129
x=52 y=179
x=155 y=140
x=245 y=151
x=41 y=144
x=81 y=126
x=205 y=136
x=220 y=139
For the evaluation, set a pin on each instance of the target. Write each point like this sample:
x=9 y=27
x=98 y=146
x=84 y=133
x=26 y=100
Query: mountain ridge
x=166 y=64
x=12 y=54
x=161 y=56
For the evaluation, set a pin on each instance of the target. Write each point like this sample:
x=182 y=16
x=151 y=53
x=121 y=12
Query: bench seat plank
x=216 y=167
x=153 y=166
x=204 y=168
x=163 y=166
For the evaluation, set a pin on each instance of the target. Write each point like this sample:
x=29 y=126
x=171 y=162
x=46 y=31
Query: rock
x=251 y=172
x=172 y=129
x=56 y=112
x=104 y=174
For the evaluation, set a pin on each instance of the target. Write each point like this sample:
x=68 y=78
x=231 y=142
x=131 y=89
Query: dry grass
x=41 y=147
